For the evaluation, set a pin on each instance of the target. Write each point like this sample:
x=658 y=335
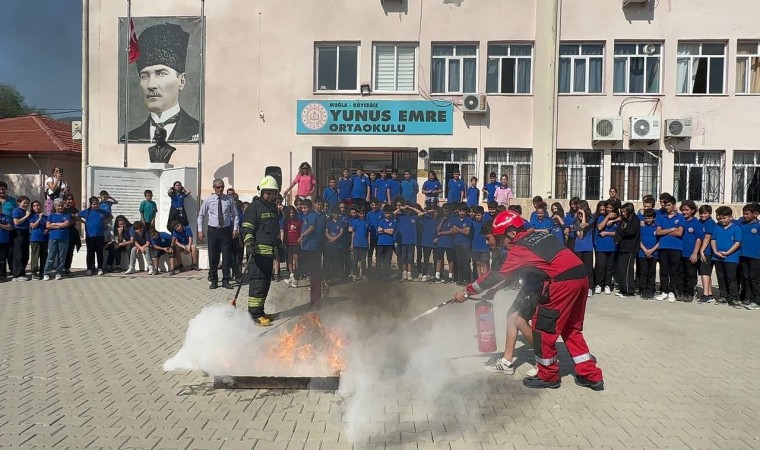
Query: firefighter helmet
x=506 y=221
x=269 y=184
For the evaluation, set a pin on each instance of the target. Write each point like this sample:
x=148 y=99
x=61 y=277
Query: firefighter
x=561 y=306
x=261 y=235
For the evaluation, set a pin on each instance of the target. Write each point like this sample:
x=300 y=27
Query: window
x=581 y=68
x=445 y=160
x=515 y=164
x=579 y=174
x=746 y=177
x=748 y=68
x=337 y=67
x=637 y=68
x=635 y=174
x=455 y=69
x=509 y=68
x=698 y=176
x=701 y=68
x=395 y=67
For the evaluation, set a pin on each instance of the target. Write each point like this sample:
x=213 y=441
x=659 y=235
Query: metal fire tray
x=330 y=383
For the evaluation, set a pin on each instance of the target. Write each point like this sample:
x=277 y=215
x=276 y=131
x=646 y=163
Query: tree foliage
x=12 y=102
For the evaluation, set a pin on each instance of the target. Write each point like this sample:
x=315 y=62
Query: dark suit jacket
x=186 y=130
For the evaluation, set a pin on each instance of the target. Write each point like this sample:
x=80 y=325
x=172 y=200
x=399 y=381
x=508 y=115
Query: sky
x=41 y=51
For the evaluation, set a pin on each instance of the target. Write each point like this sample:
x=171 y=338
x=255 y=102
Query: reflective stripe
x=475 y=286
x=247 y=225
x=582 y=358
x=248 y=240
x=262 y=249
x=546 y=362
x=267 y=215
x=256 y=302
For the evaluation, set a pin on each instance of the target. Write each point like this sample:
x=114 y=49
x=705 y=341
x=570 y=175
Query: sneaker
x=89 y=273
x=754 y=306
x=607 y=290
x=590 y=292
x=439 y=281
x=421 y=277
x=130 y=270
x=661 y=297
x=150 y=271
x=703 y=300
x=424 y=278
x=100 y=272
x=594 y=386
x=748 y=306
x=58 y=276
x=721 y=300
x=598 y=290
x=21 y=279
x=671 y=297
x=501 y=365
x=293 y=283
x=46 y=278
x=532 y=372
x=619 y=294
x=538 y=383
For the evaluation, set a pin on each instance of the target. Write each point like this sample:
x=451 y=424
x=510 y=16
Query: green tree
x=12 y=102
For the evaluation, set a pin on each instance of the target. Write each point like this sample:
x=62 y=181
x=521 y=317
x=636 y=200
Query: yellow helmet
x=269 y=184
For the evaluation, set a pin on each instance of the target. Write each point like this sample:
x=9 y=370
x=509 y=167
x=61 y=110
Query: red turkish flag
x=134 y=47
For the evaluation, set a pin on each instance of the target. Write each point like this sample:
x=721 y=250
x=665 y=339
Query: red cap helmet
x=506 y=220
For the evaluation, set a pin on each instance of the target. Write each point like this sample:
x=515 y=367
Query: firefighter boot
x=594 y=386
x=262 y=321
x=537 y=383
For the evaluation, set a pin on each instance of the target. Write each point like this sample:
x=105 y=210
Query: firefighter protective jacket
x=261 y=227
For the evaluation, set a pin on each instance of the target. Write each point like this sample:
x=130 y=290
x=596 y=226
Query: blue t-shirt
x=178 y=200
x=373 y=219
x=491 y=191
x=164 y=239
x=445 y=240
x=586 y=242
x=431 y=185
x=359 y=186
x=557 y=230
x=385 y=239
x=429 y=230
x=750 y=239
x=94 y=221
x=331 y=197
x=545 y=224
x=666 y=222
x=473 y=196
x=333 y=228
x=38 y=234
x=456 y=188
x=459 y=238
x=708 y=226
x=345 y=186
x=360 y=234
x=106 y=206
x=692 y=230
x=479 y=243
x=409 y=189
x=9 y=205
x=310 y=241
x=59 y=233
x=395 y=188
x=18 y=213
x=321 y=225
x=5 y=235
x=648 y=239
x=183 y=237
x=381 y=186
x=141 y=237
x=724 y=238
x=605 y=243
x=407 y=227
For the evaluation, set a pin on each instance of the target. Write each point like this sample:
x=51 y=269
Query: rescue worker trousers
x=260 y=276
x=563 y=316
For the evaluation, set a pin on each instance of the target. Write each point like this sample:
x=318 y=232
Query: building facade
x=581 y=95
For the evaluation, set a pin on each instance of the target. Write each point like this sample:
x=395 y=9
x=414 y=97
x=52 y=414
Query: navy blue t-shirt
x=5 y=235
x=59 y=233
x=178 y=200
x=310 y=241
x=18 y=213
x=321 y=224
x=381 y=187
x=38 y=234
x=94 y=221
x=183 y=237
x=583 y=243
x=345 y=186
x=725 y=238
x=456 y=188
x=395 y=188
x=361 y=232
x=359 y=186
x=648 y=239
x=750 y=239
x=431 y=185
x=331 y=197
x=692 y=230
x=479 y=243
x=445 y=240
x=385 y=239
x=373 y=219
x=473 y=196
x=605 y=243
x=163 y=240
x=666 y=222
x=333 y=228
x=407 y=227
x=429 y=230
x=708 y=226
x=491 y=191
x=459 y=238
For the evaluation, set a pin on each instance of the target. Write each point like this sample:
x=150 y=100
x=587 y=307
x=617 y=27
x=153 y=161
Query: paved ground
x=81 y=367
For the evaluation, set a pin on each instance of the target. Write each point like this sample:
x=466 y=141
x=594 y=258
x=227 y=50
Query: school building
x=566 y=97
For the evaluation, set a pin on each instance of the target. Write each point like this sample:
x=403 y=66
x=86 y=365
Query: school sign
x=389 y=117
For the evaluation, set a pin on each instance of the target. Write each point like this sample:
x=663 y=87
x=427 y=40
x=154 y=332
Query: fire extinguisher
x=484 y=322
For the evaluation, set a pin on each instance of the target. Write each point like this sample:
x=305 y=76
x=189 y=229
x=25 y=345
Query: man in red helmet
x=562 y=305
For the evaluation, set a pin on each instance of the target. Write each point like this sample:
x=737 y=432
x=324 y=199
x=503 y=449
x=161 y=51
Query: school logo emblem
x=754 y=230
x=691 y=230
x=314 y=116
x=676 y=222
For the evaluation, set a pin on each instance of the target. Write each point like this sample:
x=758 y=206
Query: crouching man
x=561 y=307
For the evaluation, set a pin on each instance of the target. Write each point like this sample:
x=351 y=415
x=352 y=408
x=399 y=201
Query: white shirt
x=52 y=180
x=160 y=118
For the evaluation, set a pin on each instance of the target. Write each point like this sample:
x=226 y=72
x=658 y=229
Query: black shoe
x=226 y=285
x=594 y=386
x=538 y=383
x=213 y=285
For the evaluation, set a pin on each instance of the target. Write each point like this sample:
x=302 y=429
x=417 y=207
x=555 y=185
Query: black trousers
x=4 y=250
x=95 y=246
x=604 y=268
x=372 y=251
x=20 y=253
x=236 y=256
x=647 y=274
x=384 y=255
x=670 y=270
x=177 y=214
x=260 y=273
x=588 y=262
x=728 y=285
x=750 y=270
x=333 y=262
x=74 y=241
x=9 y=252
x=463 y=261
x=689 y=277
x=219 y=241
x=626 y=266
x=425 y=263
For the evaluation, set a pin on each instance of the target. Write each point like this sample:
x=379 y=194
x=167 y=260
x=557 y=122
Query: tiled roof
x=37 y=134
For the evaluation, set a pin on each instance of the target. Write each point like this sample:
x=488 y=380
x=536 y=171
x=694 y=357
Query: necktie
x=219 y=213
x=169 y=121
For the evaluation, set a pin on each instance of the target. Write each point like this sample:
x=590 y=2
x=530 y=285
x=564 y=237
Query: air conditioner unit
x=423 y=154
x=634 y=2
x=607 y=129
x=474 y=103
x=678 y=128
x=645 y=128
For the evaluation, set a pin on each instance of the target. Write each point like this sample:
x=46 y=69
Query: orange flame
x=321 y=341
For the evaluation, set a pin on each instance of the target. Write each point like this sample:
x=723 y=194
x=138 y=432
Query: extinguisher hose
x=433 y=309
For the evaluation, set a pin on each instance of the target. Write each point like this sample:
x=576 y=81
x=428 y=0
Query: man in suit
x=163 y=53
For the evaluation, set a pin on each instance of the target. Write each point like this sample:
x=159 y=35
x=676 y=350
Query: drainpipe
x=557 y=35
x=39 y=174
x=85 y=98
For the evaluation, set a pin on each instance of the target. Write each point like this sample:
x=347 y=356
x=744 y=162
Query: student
x=373 y=221
x=95 y=218
x=432 y=188
x=381 y=188
x=120 y=244
x=613 y=199
x=409 y=188
x=38 y=240
x=648 y=204
x=605 y=248
x=583 y=245
x=429 y=223
x=344 y=188
x=305 y=182
x=473 y=193
x=648 y=255
x=385 y=241
x=705 y=254
x=537 y=201
x=749 y=260
x=394 y=185
x=6 y=226
x=107 y=202
x=444 y=242
x=570 y=216
x=455 y=188
x=20 y=238
x=359 y=229
x=140 y=247
x=539 y=219
x=182 y=242
x=460 y=228
x=148 y=210
x=628 y=237
x=331 y=194
x=346 y=214
x=292 y=233
x=726 y=244
x=322 y=217
x=177 y=194
x=58 y=229
x=334 y=246
x=558 y=221
x=491 y=213
x=670 y=231
x=360 y=187
x=503 y=195
x=481 y=254
x=406 y=219
x=490 y=188
x=310 y=253
x=693 y=233
x=161 y=244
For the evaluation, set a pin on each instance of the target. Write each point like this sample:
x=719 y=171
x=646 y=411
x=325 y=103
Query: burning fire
x=309 y=341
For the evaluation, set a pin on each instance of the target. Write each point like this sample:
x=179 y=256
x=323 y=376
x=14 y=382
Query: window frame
x=447 y=58
x=568 y=189
x=513 y=173
x=579 y=56
x=395 y=45
x=639 y=45
x=690 y=76
x=500 y=59
x=747 y=169
x=641 y=164
x=453 y=162
x=704 y=182
x=747 y=69
x=317 y=46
